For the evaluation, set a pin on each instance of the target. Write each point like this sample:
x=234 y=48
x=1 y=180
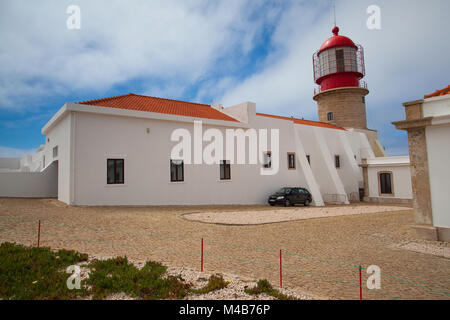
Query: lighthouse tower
x=338 y=70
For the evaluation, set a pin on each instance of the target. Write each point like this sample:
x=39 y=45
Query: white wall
x=60 y=136
x=438 y=148
x=147 y=166
x=30 y=184
x=10 y=163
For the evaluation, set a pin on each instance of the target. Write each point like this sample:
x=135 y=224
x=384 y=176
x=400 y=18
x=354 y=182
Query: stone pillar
x=415 y=125
x=365 y=170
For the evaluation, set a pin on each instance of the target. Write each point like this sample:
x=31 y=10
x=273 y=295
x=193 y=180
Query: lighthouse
x=338 y=70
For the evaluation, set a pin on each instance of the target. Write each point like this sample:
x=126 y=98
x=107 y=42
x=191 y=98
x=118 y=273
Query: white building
x=133 y=133
x=387 y=180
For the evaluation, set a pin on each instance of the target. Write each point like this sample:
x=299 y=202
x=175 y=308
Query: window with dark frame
x=115 y=171
x=225 y=170
x=291 y=160
x=176 y=170
x=337 y=161
x=385 y=183
x=330 y=116
x=268 y=159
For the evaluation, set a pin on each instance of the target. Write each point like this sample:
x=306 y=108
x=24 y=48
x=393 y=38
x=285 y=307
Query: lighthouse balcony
x=359 y=84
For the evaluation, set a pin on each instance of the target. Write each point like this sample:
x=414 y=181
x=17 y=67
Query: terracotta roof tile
x=304 y=122
x=137 y=102
x=437 y=93
x=160 y=105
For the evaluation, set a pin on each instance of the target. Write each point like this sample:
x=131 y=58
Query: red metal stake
x=39 y=233
x=281 y=272
x=202 y=257
x=360 y=284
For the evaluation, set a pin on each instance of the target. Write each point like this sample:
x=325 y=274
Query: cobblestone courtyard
x=319 y=255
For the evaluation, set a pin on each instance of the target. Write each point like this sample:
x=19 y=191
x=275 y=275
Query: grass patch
x=36 y=273
x=118 y=275
x=215 y=282
x=264 y=286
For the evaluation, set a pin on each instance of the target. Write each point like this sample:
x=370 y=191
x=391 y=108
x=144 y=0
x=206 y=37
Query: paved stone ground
x=318 y=254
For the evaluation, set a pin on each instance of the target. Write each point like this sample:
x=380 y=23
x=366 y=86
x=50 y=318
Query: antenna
x=334 y=10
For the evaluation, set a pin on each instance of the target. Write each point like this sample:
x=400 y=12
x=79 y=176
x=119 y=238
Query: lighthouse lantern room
x=339 y=63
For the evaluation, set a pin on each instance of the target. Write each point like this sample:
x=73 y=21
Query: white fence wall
x=30 y=184
x=10 y=163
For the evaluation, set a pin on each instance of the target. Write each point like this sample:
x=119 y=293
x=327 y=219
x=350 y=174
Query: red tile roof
x=133 y=101
x=437 y=93
x=137 y=102
x=301 y=121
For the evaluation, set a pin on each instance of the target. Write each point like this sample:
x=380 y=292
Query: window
x=337 y=161
x=225 y=170
x=115 y=171
x=363 y=99
x=340 y=60
x=291 y=160
x=330 y=116
x=55 y=152
x=43 y=161
x=268 y=159
x=385 y=179
x=308 y=157
x=176 y=170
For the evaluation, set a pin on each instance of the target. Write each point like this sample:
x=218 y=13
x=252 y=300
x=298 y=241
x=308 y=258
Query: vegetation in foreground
x=31 y=273
x=118 y=275
x=36 y=273
x=215 y=282
x=263 y=286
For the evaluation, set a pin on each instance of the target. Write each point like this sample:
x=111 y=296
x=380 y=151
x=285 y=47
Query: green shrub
x=118 y=275
x=36 y=273
x=264 y=286
x=215 y=282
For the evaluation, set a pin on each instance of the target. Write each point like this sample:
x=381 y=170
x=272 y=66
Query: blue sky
x=221 y=51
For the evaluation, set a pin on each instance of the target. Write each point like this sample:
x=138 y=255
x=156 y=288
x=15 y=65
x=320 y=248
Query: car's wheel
x=307 y=202
x=287 y=203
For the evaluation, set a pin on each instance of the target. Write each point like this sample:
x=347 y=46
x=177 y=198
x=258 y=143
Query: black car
x=290 y=196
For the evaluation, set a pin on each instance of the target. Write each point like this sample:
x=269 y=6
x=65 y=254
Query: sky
x=216 y=51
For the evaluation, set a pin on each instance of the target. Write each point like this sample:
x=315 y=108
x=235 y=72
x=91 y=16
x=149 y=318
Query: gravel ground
x=255 y=217
x=319 y=255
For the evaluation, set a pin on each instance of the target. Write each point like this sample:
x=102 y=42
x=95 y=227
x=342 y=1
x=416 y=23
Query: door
x=293 y=196
x=302 y=195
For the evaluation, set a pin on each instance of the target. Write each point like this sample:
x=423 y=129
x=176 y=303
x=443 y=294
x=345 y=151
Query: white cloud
x=173 y=41
x=6 y=152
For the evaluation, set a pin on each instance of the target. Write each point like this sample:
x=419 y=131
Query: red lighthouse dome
x=338 y=63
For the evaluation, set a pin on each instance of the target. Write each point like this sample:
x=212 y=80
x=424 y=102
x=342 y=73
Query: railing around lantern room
x=361 y=84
